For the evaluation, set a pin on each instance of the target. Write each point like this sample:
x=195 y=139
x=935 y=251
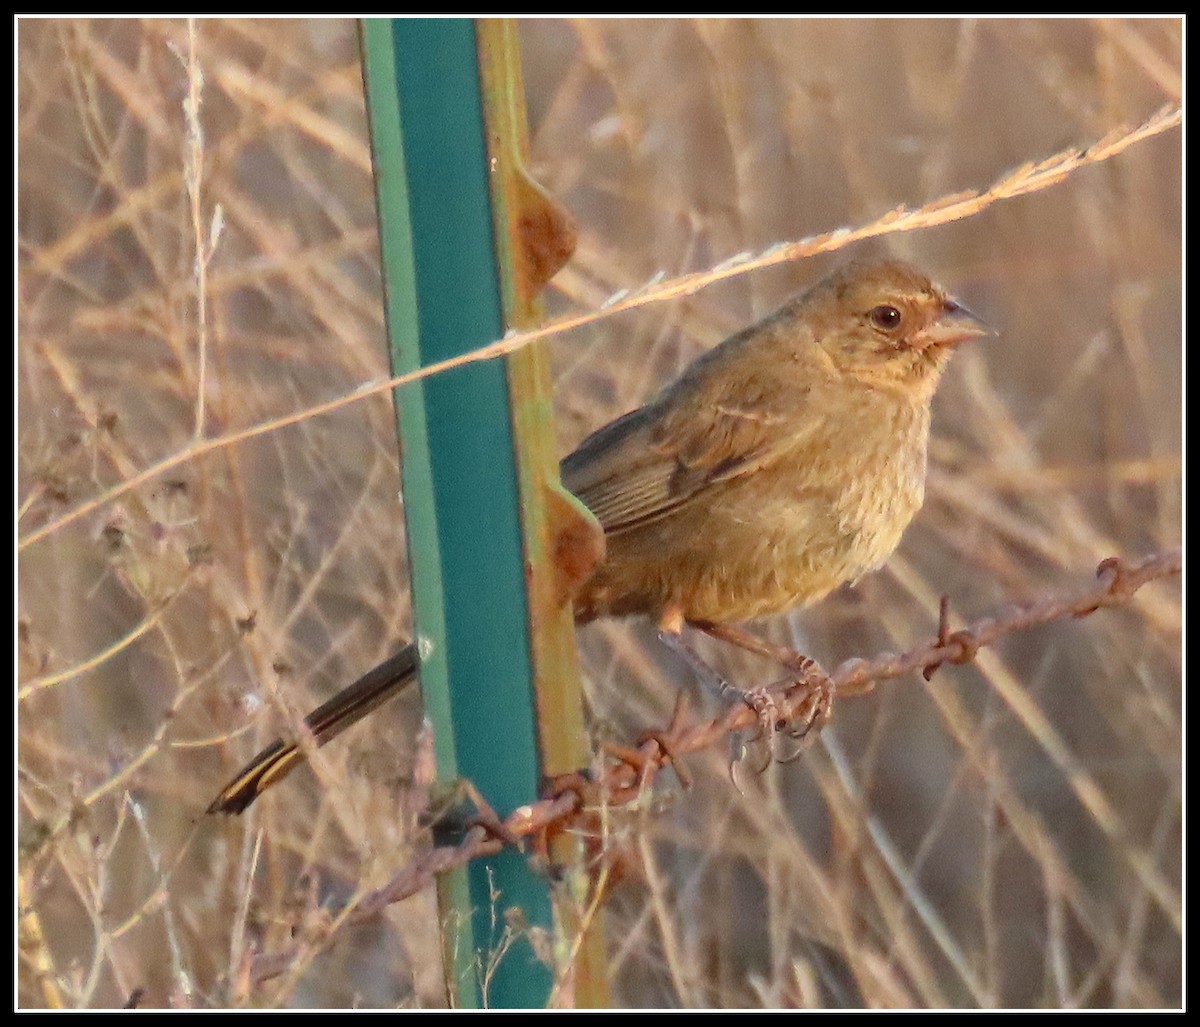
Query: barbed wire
x=572 y=802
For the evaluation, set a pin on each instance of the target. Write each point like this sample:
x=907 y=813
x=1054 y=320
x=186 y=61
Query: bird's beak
x=956 y=324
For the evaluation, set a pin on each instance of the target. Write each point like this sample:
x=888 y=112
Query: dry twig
x=1027 y=178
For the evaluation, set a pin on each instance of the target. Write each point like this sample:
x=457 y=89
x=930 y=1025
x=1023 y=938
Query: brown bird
x=782 y=463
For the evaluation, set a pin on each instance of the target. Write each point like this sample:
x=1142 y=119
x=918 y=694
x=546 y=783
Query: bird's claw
x=801 y=723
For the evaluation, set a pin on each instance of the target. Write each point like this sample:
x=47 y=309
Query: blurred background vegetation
x=1007 y=835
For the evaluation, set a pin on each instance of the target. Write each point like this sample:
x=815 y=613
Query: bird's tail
x=349 y=706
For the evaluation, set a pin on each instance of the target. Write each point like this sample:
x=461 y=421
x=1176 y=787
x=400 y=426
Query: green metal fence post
x=445 y=284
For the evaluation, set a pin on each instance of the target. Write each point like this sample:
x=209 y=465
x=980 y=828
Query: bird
x=780 y=464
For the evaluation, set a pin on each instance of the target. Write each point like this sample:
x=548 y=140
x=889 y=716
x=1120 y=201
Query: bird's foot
x=777 y=712
x=815 y=709
x=778 y=717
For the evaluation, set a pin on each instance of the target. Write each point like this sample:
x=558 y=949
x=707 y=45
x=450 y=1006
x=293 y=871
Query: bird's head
x=886 y=323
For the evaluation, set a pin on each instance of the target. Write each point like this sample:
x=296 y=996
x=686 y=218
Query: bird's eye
x=885 y=316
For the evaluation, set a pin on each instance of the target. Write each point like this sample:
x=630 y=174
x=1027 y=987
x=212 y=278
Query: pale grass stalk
x=121 y=778
x=718 y=842
x=346 y=535
x=161 y=896
x=135 y=202
x=39 y=684
x=776 y=878
x=311 y=947
x=584 y=920
x=1026 y=179
x=1134 y=471
x=237 y=937
x=633 y=938
x=1157 y=68
x=326 y=767
x=281 y=107
x=35 y=494
x=488 y=962
x=1057 y=950
x=1027 y=533
x=209 y=741
x=938 y=822
x=1128 y=310
x=679 y=966
x=32 y=946
x=192 y=176
x=1035 y=721
x=1099 y=974
x=92 y=889
x=1027 y=827
x=328 y=305
x=874 y=862
x=1019 y=819
x=826 y=917
x=126 y=84
x=1064 y=534
x=1126 y=972
x=989 y=915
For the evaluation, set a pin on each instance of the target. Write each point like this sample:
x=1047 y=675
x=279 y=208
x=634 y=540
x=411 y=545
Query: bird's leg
x=789 y=658
x=670 y=631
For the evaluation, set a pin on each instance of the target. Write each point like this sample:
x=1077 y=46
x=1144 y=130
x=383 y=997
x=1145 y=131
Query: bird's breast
x=781 y=536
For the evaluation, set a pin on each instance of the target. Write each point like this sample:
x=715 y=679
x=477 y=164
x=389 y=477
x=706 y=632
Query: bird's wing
x=654 y=460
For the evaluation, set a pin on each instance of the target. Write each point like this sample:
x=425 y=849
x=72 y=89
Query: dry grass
x=1008 y=835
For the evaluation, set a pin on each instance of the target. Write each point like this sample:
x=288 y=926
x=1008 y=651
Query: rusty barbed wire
x=570 y=802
